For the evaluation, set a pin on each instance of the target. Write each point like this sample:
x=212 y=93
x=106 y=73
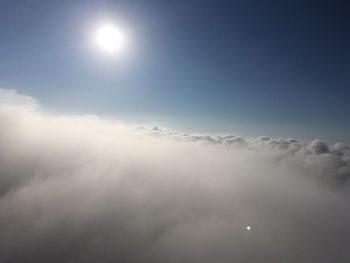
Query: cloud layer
x=87 y=189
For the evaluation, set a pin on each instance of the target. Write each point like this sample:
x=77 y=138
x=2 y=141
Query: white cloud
x=86 y=189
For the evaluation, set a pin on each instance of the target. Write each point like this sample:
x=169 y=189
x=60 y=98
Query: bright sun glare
x=110 y=39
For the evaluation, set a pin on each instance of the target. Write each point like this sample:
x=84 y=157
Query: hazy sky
x=85 y=176
x=280 y=68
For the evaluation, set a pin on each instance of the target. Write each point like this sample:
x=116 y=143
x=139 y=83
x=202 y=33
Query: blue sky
x=280 y=68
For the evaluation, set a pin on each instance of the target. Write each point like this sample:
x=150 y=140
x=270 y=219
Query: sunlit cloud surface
x=81 y=188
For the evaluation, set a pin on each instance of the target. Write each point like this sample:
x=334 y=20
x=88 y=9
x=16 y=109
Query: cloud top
x=86 y=189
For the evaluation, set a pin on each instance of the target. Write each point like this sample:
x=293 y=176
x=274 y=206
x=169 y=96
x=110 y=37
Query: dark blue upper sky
x=280 y=68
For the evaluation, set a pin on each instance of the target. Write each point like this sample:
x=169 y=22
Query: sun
x=109 y=39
